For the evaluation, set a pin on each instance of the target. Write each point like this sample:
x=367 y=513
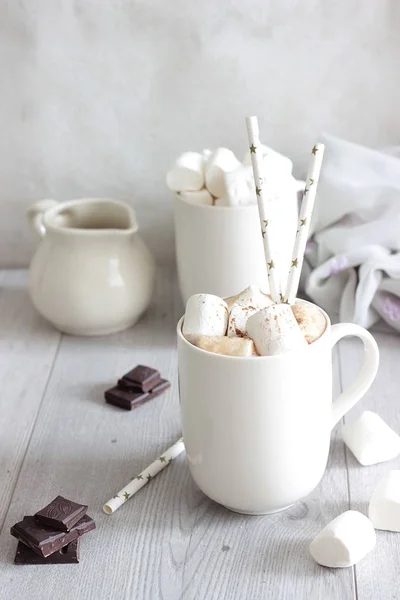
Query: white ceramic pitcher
x=92 y=273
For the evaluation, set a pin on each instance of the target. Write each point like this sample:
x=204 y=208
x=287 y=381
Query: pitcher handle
x=35 y=215
x=347 y=399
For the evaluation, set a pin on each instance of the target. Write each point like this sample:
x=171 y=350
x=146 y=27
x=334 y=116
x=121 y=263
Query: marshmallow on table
x=370 y=439
x=310 y=319
x=245 y=304
x=384 y=507
x=344 y=541
x=274 y=330
x=224 y=345
x=205 y=315
x=199 y=197
x=220 y=162
x=188 y=173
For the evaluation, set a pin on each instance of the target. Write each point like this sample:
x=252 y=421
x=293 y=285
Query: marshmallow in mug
x=310 y=319
x=199 y=197
x=188 y=173
x=274 y=330
x=384 y=507
x=344 y=541
x=370 y=439
x=229 y=346
x=245 y=304
x=273 y=161
x=205 y=314
x=219 y=163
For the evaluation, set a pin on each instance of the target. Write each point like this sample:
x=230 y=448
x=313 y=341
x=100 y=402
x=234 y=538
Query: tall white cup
x=257 y=430
x=219 y=249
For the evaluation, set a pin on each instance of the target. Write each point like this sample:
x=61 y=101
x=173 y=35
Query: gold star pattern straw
x=262 y=203
x=144 y=477
x=306 y=209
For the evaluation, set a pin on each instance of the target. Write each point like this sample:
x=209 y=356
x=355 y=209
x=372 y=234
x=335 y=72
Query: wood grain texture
x=169 y=542
x=377 y=576
x=28 y=347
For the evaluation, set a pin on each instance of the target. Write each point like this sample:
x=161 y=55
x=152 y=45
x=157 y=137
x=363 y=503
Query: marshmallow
x=206 y=153
x=200 y=197
x=273 y=162
x=370 y=439
x=245 y=304
x=310 y=319
x=205 y=315
x=187 y=174
x=224 y=345
x=344 y=541
x=239 y=186
x=384 y=507
x=220 y=162
x=274 y=330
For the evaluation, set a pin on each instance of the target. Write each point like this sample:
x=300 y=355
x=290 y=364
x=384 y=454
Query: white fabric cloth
x=352 y=263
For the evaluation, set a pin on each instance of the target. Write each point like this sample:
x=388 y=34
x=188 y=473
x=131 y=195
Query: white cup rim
x=245 y=207
x=310 y=347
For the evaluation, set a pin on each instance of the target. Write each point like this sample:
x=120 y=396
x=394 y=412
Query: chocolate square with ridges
x=45 y=541
x=142 y=376
x=69 y=554
x=61 y=514
x=40 y=539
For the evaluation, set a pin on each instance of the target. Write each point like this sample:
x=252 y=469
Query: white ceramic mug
x=219 y=249
x=257 y=430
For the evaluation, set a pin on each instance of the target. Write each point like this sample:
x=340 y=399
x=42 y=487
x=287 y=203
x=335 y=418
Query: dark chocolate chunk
x=131 y=400
x=61 y=514
x=85 y=525
x=40 y=539
x=130 y=386
x=44 y=540
x=125 y=399
x=142 y=376
x=69 y=554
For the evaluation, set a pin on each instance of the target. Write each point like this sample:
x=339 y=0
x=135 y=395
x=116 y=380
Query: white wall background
x=98 y=96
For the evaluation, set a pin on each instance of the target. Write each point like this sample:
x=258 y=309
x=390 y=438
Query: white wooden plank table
x=57 y=436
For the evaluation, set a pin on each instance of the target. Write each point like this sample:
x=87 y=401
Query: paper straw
x=144 y=477
x=307 y=206
x=257 y=163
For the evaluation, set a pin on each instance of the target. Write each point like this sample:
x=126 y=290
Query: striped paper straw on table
x=257 y=163
x=306 y=210
x=144 y=477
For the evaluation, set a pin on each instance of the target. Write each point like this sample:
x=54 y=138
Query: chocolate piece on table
x=68 y=554
x=131 y=400
x=44 y=540
x=143 y=377
x=130 y=386
x=40 y=539
x=125 y=399
x=61 y=514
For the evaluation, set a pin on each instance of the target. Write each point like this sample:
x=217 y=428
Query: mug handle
x=347 y=399
x=35 y=215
